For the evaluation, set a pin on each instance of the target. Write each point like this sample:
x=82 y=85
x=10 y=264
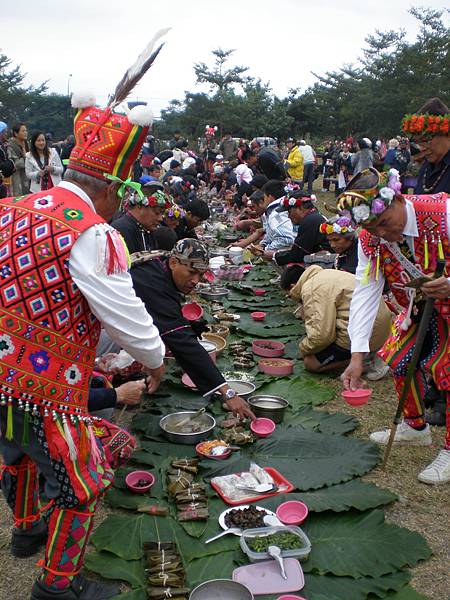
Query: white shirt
x=243 y=173
x=308 y=153
x=366 y=298
x=112 y=298
x=32 y=170
x=278 y=229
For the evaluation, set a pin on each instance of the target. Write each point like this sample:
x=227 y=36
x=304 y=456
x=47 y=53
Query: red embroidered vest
x=431 y=217
x=48 y=334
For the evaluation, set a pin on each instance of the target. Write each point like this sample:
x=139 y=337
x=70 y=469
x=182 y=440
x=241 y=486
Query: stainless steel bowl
x=218 y=252
x=186 y=438
x=244 y=389
x=214 y=293
x=271 y=407
x=221 y=589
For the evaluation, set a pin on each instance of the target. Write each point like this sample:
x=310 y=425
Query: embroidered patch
x=44 y=202
x=40 y=361
x=72 y=375
x=73 y=214
x=6 y=345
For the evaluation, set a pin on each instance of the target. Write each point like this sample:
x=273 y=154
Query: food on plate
x=284 y=540
x=206 y=447
x=245 y=518
x=196 y=425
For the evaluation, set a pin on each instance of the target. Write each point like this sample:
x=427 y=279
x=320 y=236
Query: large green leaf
x=338 y=498
x=318 y=420
x=361 y=544
x=299 y=391
x=353 y=494
x=118 y=498
x=211 y=567
x=163 y=450
x=327 y=587
x=406 y=593
x=111 y=566
x=307 y=459
x=122 y=535
x=139 y=594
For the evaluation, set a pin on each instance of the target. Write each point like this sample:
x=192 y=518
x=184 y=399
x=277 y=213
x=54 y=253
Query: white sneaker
x=404 y=435
x=438 y=471
x=377 y=369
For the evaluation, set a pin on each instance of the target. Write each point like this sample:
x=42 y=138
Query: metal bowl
x=221 y=589
x=270 y=407
x=214 y=293
x=218 y=252
x=243 y=388
x=186 y=438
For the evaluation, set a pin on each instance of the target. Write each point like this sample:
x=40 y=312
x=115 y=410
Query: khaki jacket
x=326 y=295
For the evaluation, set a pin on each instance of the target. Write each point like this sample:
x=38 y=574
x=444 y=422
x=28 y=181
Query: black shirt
x=183 y=231
x=434 y=178
x=308 y=240
x=153 y=283
x=270 y=165
x=136 y=237
x=348 y=261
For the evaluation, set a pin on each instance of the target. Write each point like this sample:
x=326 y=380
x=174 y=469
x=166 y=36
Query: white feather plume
x=141 y=65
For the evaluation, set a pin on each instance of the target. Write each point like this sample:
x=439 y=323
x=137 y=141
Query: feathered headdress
x=108 y=143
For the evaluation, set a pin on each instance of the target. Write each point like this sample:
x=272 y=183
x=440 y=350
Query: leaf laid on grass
x=118 y=498
x=338 y=498
x=122 y=535
x=360 y=545
x=321 y=421
x=110 y=566
x=299 y=391
x=140 y=594
x=307 y=459
x=406 y=593
x=211 y=567
x=321 y=587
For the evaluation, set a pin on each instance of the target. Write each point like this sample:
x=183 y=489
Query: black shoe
x=26 y=542
x=80 y=589
x=436 y=414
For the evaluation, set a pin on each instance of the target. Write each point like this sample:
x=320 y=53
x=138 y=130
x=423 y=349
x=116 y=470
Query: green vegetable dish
x=284 y=541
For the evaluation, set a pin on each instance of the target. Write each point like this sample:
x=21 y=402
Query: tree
x=31 y=105
x=219 y=78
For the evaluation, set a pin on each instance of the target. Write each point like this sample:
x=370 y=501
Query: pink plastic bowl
x=132 y=478
x=292 y=512
x=290 y=597
x=192 y=311
x=268 y=348
x=259 y=291
x=276 y=366
x=357 y=397
x=258 y=315
x=262 y=427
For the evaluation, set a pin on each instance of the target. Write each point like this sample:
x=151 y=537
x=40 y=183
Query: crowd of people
x=95 y=263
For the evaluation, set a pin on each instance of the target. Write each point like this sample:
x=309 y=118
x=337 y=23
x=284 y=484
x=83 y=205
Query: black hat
x=258 y=181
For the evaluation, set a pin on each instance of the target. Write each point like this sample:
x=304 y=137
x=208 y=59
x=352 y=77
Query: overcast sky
x=281 y=41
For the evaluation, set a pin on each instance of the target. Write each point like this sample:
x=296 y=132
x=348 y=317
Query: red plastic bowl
x=258 y=315
x=259 y=291
x=276 y=366
x=268 y=348
x=292 y=512
x=357 y=397
x=290 y=597
x=132 y=478
x=262 y=427
x=192 y=311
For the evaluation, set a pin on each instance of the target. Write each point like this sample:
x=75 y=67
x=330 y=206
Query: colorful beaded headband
x=174 y=212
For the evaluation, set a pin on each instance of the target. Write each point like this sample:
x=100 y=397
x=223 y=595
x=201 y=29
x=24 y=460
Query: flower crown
x=288 y=202
x=365 y=204
x=342 y=225
x=157 y=199
x=174 y=212
x=426 y=124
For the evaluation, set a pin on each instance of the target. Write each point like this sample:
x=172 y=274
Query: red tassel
x=84 y=447
x=110 y=254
